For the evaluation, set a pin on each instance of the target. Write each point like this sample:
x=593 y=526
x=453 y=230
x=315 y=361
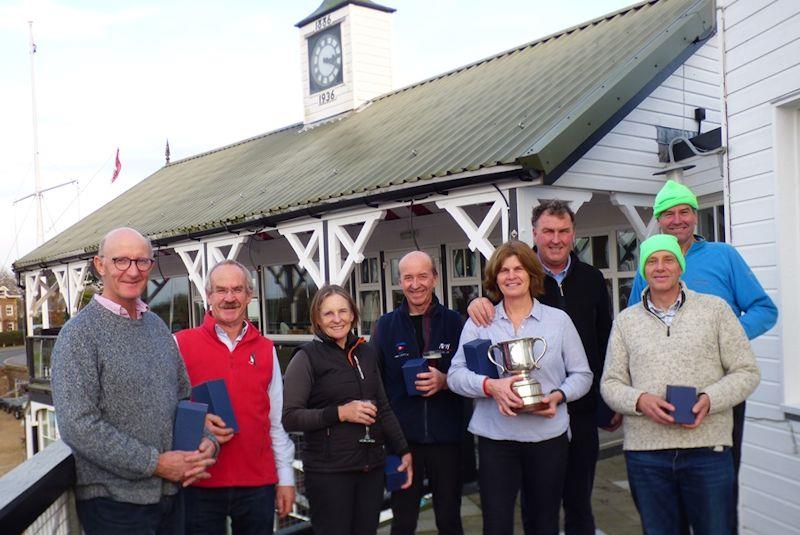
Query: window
x=711 y=222
x=48 y=431
x=288 y=291
x=464 y=278
x=392 y=272
x=616 y=255
x=9 y=310
x=369 y=297
x=169 y=299
x=10 y=326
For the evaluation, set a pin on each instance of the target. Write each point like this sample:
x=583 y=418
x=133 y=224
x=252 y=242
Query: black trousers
x=577 y=496
x=441 y=464
x=506 y=466
x=346 y=503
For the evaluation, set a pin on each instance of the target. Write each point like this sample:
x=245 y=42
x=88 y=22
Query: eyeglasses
x=123 y=263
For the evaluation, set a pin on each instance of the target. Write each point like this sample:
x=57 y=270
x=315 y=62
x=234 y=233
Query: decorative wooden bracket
x=195 y=266
x=71 y=281
x=339 y=237
x=36 y=294
x=627 y=203
x=528 y=198
x=214 y=250
x=306 y=253
x=479 y=234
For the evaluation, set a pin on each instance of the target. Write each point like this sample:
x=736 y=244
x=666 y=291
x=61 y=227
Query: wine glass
x=366 y=439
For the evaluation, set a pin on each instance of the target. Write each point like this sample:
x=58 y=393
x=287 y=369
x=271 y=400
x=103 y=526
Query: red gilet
x=247 y=460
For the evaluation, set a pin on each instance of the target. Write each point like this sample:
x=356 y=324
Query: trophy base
x=531 y=393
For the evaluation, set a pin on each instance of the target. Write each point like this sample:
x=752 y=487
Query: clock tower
x=346 y=56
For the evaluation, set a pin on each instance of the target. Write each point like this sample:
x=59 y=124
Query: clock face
x=325 y=59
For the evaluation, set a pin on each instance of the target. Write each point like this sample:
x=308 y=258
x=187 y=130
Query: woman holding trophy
x=333 y=392
x=521 y=418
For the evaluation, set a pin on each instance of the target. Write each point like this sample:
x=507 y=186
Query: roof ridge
x=518 y=48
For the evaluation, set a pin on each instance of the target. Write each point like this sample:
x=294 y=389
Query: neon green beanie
x=660 y=242
x=673 y=194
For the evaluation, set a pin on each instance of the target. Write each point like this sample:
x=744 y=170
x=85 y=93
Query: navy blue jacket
x=436 y=419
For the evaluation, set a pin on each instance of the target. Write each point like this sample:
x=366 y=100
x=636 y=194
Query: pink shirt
x=119 y=310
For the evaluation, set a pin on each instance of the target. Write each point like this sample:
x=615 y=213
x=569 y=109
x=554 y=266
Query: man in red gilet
x=253 y=474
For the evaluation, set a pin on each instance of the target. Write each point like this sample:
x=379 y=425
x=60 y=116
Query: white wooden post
x=479 y=234
x=338 y=237
x=306 y=253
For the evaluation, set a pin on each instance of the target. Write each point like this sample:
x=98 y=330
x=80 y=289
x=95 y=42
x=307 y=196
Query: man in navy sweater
x=433 y=423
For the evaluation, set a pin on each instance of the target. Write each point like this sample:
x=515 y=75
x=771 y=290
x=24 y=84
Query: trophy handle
x=544 y=350
x=491 y=350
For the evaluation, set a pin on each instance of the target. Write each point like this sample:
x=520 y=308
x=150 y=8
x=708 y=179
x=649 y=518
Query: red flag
x=117 y=168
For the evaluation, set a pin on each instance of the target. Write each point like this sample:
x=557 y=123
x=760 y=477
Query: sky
x=202 y=73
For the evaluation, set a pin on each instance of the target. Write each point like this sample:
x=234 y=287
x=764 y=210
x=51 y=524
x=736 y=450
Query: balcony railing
x=36 y=497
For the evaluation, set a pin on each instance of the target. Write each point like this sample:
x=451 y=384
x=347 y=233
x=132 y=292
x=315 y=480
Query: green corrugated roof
x=533 y=105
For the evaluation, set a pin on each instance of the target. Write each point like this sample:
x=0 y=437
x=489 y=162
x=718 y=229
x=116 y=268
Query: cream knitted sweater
x=705 y=347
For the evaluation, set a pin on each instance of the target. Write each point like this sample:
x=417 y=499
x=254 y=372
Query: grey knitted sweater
x=116 y=385
x=705 y=347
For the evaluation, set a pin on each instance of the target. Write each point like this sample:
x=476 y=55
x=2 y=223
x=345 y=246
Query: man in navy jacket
x=433 y=422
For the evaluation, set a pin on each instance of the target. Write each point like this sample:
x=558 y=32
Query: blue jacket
x=437 y=419
x=717 y=268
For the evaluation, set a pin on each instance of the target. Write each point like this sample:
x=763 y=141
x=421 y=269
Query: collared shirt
x=563 y=366
x=559 y=277
x=119 y=310
x=282 y=445
x=666 y=315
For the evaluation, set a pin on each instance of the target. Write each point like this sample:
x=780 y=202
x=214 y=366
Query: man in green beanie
x=714 y=268
x=678 y=337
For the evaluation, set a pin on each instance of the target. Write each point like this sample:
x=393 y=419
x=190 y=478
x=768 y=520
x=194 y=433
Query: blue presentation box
x=410 y=370
x=394 y=479
x=604 y=414
x=683 y=398
x=215 y=394
x=475 y=352
x=190 y=420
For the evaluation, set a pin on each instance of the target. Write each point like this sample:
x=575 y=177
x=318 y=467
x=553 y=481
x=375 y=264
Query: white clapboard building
x=594 y=115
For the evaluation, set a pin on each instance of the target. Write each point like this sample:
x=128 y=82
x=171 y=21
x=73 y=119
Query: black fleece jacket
x=319 y=378
x=584 y=297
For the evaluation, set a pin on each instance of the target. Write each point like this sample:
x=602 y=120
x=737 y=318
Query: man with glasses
x=117 y=378
x=253 y=475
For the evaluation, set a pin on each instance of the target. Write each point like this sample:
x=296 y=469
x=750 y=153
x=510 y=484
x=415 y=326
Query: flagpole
x=37 y=175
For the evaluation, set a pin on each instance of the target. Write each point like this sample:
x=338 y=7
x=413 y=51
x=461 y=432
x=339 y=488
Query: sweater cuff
x=330 y=415
x=152 y=464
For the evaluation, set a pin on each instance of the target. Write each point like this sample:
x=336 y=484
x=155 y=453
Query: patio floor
x=613 y=506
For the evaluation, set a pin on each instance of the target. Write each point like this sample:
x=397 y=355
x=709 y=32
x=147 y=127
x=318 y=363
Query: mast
x=37 y=176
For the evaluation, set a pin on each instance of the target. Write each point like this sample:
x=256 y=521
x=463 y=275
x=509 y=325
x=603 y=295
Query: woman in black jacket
x=333 y=393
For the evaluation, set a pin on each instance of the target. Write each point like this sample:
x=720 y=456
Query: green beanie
x=660 y=242
x=673 y=194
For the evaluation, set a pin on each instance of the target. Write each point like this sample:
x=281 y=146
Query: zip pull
x=560 y=289
x=668 y=330
x=358 y=367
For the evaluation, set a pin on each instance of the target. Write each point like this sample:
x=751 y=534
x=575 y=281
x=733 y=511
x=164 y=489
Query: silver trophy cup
x=518 y=357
